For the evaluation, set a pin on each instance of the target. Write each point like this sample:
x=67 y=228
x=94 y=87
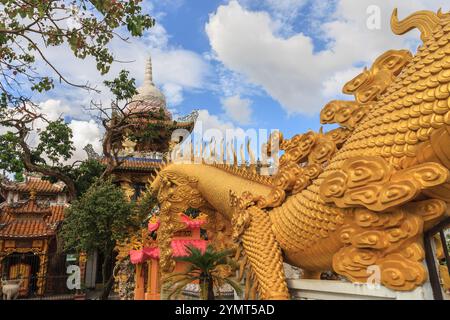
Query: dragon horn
x=425 y=21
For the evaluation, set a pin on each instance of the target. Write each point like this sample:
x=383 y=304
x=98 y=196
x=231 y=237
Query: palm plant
x=204 y=267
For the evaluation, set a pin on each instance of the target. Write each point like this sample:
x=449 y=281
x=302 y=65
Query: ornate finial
x=150 y=98
x=425 y=21
x=148 y=77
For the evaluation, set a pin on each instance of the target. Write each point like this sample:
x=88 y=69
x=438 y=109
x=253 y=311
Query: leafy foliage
x=86 y=174
x=87 y=27
x=56 y=142
x=144 y=207
x=99 y=218
x=83 y=175
x=122 y=87
x=26 y=28
x=54 y=148
x=203 y=267
x=9 y=153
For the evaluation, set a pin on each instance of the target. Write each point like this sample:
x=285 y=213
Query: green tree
x=85 y=174
x=48 y=157
x=27 y=27
x=144 y=206
x=204 y=268
x=52 y=154
x=96 y=221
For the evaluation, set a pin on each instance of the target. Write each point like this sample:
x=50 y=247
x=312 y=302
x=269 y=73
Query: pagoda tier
x=13 y=191
x=30 y=219
x=29 y=222
x=151 y=123
x=155 y=135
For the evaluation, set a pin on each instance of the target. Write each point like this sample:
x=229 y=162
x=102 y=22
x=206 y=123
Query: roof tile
x=35 y=223
x=35 y=184
x=138 y=164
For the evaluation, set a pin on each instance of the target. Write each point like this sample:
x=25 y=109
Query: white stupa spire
x=149 y=98
x=148 y=91
x=148 y=76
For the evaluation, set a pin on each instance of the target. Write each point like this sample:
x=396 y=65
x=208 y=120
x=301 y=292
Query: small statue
x=129 y=146
x=11 y=289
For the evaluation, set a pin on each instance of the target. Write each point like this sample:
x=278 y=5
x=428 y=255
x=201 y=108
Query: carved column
x=82 y=259
x=139 y=290
x=42 y=274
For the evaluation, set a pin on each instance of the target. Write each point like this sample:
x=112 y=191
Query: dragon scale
x=361 y=201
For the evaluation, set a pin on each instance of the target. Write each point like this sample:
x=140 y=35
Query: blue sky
x=245 y=63
x=185 y=23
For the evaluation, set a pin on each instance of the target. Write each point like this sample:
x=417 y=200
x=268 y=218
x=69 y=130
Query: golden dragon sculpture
x=358 y=196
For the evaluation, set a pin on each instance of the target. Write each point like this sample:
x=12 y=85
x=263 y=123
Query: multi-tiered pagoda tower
x=149 y=140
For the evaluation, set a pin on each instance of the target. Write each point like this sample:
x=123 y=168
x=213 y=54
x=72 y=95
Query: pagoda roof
x=36 y=184
x=29 y=219
x=163 y=123
x=137 y=163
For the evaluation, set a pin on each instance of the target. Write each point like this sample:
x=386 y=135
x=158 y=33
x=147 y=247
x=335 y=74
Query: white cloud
x=334 y=84
x=207 y=121
x=54 y=109
x=85 y=132
x=175 y=71
x=157 y=37
x=173 y=93
x=172 y=67
x=291 y=69
x=238 y=109
x=282 y=10
x=183 y=67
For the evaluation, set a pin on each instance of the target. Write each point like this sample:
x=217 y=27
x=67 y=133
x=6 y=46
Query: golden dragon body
x=356 y=197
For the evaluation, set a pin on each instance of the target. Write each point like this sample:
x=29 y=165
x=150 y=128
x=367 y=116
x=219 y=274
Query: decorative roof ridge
x=140 y=159
x=15 y=185
x=32 y=204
